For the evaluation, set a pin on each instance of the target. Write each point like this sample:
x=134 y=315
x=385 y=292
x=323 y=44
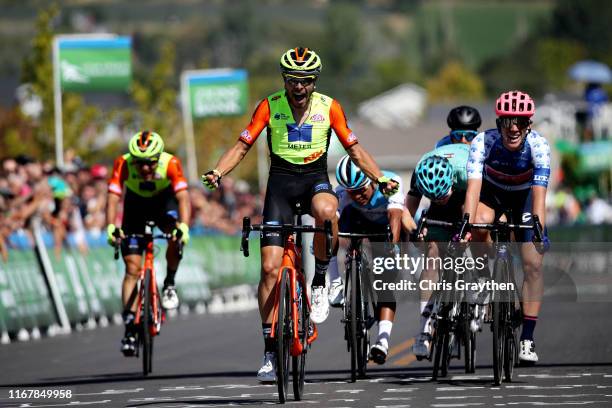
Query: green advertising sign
x=217 y=92
x=94 y=64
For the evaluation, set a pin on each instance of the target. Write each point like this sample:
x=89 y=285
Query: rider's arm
x=184 y=206
x=475 y=168
x=539 y=203
x=540 y=151
x=413 y=198
x=259 y=120
x=364 y=161
x=395 y=222
x=111 y=208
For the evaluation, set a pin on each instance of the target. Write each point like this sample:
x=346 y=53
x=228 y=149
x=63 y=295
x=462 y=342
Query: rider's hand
x=184 y=236
x=211 y=179
x=542 y=246
x=112 y=232
x=387 y=186
x=422 y=235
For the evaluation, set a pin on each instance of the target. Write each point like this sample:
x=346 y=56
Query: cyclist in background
x=364 y=209
x=299 y=122
x=463 y=122
x=155 y=190
x=509 y=168
x=441 y=176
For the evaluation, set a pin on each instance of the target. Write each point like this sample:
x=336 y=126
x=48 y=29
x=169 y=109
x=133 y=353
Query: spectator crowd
x=71 y=204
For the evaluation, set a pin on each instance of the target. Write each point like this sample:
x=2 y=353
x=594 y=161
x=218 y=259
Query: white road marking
x=400 y=389
x=350 y=391
x=467 y=404
x=396 y=399
x=458 y=388
x=550 y=376
x=67 y=404
x=540 y=403
x=112 y=392
x=392 y=406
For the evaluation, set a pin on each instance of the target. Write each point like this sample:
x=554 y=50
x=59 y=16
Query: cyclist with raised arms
x=155 y=190
x=509 y=168
x=441 y=176
x=299 y=122
x=364 y=209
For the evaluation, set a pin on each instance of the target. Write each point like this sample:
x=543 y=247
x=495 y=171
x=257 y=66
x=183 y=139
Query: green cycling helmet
x=301 y=62
x=146 y=145
x=434 y=177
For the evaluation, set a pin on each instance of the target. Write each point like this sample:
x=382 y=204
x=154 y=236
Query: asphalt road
x=210 y=360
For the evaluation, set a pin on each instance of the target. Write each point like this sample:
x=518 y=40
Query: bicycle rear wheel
x=299 y=362
x=440 y=343
x=146 y=336
x=283 y=336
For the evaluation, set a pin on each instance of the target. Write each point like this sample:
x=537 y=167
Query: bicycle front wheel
x=283 y=336
x=468 y=338
x=351 y=317
x=146 y=336
x=299 y=362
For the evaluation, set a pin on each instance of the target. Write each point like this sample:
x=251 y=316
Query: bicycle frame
x=292 y=257
x=148 y=265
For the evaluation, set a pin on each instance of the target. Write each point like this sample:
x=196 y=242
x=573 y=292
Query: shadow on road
x=418 y=374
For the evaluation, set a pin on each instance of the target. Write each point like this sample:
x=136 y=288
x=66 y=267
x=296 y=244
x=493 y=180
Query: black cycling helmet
x=463 y=118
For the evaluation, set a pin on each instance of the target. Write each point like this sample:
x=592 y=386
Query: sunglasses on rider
x=457 y=135
x=148 y=162
x=507 y=122
x=294 y=81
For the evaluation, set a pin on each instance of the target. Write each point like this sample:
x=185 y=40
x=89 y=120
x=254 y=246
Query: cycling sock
x=384 y=332
x=529 y=323
x=170 y=274
x=320 y=271
x=333 y=271
x=266 y=329
x=128 y=320
x=426 y=317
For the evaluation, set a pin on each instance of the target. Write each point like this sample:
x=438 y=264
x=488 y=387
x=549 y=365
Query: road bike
x=359 y=307
x=149 y=312
x=291 y=325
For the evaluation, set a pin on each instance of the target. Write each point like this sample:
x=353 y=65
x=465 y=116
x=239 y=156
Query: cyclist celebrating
x=441 y=176
x=509 y=168
x=299 y=122
x=156 y=190
x=364 y=209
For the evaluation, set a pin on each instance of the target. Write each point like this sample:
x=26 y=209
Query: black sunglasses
x=302 y=81
x=457 y=135
x=142 y=162
x=507 y=122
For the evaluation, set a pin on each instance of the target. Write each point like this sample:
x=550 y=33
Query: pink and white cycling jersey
x=508 y=170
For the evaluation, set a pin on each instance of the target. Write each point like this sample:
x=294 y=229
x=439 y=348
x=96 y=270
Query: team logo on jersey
x=246 y=135
x=297 y=133
x=275 y=98
x=449 y=155
x=279 y=116
x=317 y=117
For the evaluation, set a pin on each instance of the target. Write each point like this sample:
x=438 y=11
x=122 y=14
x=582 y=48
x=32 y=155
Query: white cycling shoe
x=267 y=372
x=319 y=306
x=378 y=353
x=527 y=354
x=169 y=298
x=422 y=346
x=336 y=293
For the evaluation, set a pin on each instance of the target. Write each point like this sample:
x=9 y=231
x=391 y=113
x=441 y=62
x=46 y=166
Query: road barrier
x=44 y=292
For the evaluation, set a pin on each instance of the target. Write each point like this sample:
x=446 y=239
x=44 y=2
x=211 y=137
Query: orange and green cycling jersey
x=298 y=148
x=168 y=174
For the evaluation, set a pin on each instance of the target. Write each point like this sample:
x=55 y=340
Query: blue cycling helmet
x=349 y=175
x=434 y=177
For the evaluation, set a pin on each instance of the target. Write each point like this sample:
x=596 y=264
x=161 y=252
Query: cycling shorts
x=517 y=205
x=283 y=192
x=452 y=211
x=137 y=210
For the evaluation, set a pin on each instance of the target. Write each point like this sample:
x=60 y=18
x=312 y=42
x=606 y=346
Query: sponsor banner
x=94 y=64
x=24 y=298
x=217 y=92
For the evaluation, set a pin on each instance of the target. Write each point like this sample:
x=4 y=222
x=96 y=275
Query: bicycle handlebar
x=495 y=226
x=247 y=228
x=388 y=235
x=153 y=237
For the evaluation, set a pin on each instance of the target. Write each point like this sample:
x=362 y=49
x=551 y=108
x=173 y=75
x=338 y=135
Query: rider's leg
x=323 y=207
x=533 y=288
x=128 y=297
x=484 y=215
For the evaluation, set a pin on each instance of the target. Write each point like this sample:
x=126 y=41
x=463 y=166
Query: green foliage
x=455 y=82
x=555 y=56
x=155 y=96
